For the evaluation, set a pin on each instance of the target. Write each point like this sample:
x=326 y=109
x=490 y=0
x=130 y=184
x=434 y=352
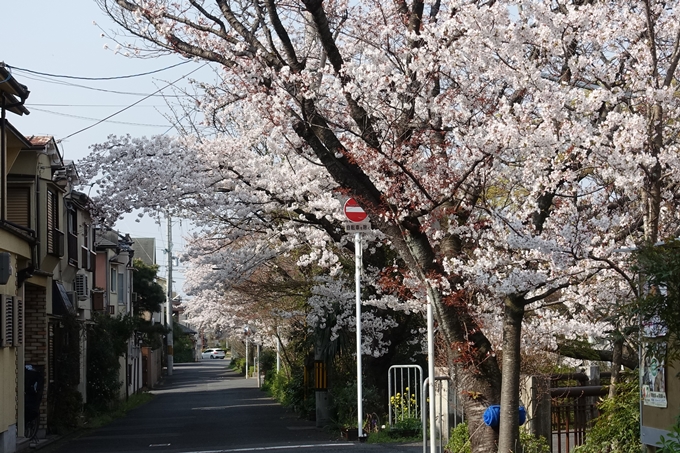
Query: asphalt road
x=206 y=408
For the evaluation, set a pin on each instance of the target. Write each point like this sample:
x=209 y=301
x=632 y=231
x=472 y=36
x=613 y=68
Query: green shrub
x=183 y=348
x=343 y=403
x=531 y=443
x=290 y=392
x=239 y=365
x=671 y=443
x=97 y=419
x=459 y=440
x=276 y=384
x=617 y=429
x=385 y=436
x=107 y=342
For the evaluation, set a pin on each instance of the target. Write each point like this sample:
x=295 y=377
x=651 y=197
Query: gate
x=573 y=411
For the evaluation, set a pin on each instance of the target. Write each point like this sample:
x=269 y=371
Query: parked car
x=213 y=353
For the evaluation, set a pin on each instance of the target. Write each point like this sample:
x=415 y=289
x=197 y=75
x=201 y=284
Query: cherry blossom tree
x=504 y=151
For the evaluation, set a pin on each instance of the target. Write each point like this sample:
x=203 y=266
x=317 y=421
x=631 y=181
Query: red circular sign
x=354 y=212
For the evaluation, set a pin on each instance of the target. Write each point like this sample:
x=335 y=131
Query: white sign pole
x=430 y=370
x=357 y=216
x=357 y=281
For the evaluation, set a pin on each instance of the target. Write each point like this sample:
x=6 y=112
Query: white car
x=213 y=353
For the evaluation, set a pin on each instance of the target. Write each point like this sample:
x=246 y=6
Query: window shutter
x=7 y=321
x=18 y=206
x=51 y=221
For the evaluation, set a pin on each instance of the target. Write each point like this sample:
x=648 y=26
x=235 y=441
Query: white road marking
x=281 y=447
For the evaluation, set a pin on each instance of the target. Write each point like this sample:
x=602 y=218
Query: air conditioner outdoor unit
x=78 y=302
x=81 y=286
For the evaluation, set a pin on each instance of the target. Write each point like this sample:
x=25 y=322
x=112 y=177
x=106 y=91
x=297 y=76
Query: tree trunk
x=508 y=435
x=617 y=357
x=483 y=439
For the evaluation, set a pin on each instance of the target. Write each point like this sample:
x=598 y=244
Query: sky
x=59 y=38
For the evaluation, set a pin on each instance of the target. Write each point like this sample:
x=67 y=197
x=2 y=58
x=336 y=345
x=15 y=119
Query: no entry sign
x=353 y=211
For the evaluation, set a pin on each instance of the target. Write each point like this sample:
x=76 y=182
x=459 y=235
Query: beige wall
x=10 y=243
x=8 y=389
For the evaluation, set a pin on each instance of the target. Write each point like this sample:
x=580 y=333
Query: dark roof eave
x=17 y=89
x=14 y=131
x=10 y=90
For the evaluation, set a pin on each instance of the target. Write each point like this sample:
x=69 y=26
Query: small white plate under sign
x=351 y=227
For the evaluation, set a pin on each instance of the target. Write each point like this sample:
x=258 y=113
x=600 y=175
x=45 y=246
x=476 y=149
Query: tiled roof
x=39 y=140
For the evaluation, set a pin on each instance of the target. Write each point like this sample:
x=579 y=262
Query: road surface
x=206 y=408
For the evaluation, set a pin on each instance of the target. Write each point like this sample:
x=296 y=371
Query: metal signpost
x=357 y=217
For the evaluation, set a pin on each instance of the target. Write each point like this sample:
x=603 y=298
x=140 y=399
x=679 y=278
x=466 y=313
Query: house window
x=121 y=288
x=19 y=206
x=55 y=238
x=114 y=280
x=86 y=236
x=86 y=256
x=72 y=227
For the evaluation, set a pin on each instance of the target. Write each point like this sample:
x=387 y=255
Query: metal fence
x=404 y=388
x=441 y=407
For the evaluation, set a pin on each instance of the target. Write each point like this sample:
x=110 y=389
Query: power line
x=96 y=119
x=96 y=78
x=30 y=105
x=127 y=93
x=131 y=105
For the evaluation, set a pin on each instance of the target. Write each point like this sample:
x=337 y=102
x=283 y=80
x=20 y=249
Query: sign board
x=357 y=227
x=654 y=379
x=354 y=212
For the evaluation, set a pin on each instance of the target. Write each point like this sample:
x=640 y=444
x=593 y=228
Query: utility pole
x=168 y=314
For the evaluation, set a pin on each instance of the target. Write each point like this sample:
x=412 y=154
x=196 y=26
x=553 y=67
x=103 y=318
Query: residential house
x=75 y=272
x=47 y=259
x=145 y=250
x=113 y=279
x=55 y=286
